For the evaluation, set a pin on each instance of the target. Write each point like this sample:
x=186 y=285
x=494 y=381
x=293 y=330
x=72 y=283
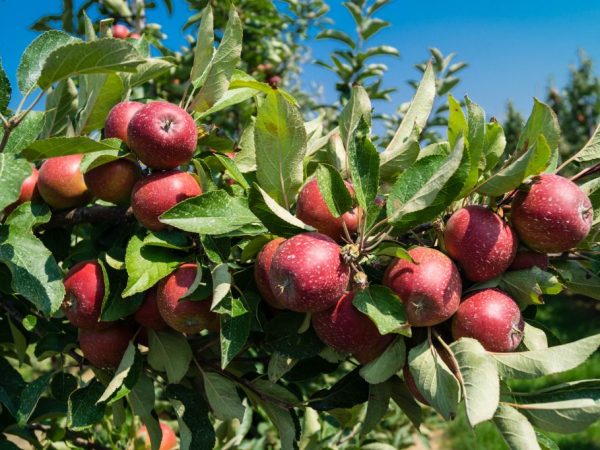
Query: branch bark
x=89 y=214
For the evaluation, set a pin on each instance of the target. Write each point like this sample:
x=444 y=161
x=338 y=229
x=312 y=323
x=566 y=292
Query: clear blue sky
x=514 y=48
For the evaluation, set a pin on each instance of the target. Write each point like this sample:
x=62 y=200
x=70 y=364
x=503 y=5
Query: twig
x=76 y=438
x=90 y=214
x=585 y=172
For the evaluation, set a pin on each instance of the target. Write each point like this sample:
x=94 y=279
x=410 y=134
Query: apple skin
x=308 y=274
x=312 y=210
x=118 y=119
x=430 y=288
x=29 y=191
x=527 y=259
x=162 y=135
x=481 y=242
x=185 y=316
x=104 y=348
x=134 y=35
x=113 y=181
x=84 y=292
x=347 y=330
x=159 y=192
x=491 y=317
x=262 y=266
x=148 y=314
x=120 y=31
x=61 y=183
x=168 y=441
x=552 y=214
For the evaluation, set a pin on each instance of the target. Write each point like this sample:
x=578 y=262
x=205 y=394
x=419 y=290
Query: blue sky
x=514 y=48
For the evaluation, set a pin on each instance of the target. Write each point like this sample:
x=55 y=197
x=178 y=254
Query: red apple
x=134 y=35
x=430 y=287
x=552 y=214
x=347 y=330
x=481 y=242
x=29 y=191
x=312 y=210
x=159 y=192
x=308 y=274
x=113 y=181
x=84 y=293
x=148 y=314
x=262 y=266
x=104 y=348
x=118 y=119
x=491 y=317
x=61 y=183
x=120 y=31
x=162 y=135
x=185 y=316
x=274 y=80
x=168 y=441
x=526 y=260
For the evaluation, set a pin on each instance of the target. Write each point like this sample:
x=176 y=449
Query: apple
x=135 y=35
x=262 y=266
x=527 y=259
x=159 y=192
x=412 y=386
x=120 y=31
x=113 y=181
x=104 y=348
x=29 y=191
x=481 y=242
x=185 y=316
x=274 y=80
x=430 y=287
x=168 y=441
x=148 y=314
x=312 y=210
x=491 y=317
x=84 y=293
x=61 y=183
x=551 y=214
x=347 y=330
x=162 y=135
x=308 y=274
x=118 y=119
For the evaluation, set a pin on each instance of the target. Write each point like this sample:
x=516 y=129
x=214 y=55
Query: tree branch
x=89 y=214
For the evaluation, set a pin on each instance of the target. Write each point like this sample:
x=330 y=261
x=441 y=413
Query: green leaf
x=26 y=133
x=283 y=337
x=30 y=396
x=141 y=397
x=387 y=364
x=537 y=363
x=34 y=57
x=195 y=428
x=279 y=365
x=333 y=190
x=152 y=69
x=230 y=166
x=384 y=308
x=221 y=282
x=405 y=400
x=125 y=377
x=475 y=141
x=216 y=249
x=434 y=380
x=393 y=250
x=100 y=93
x=337 y=35
x=96 y=159
x=169 y=352
x=101 y=56
x=84 y=411
x=534 y=338
x=204 y=49
x=27 y=215
x=61 y=106
x=63 y=385
x=5 y=90
x=541 y=122
x=61 y=146
x=13 y=170
x=213 y=213
x=515 y=429
x=280 y=142
x=363 y=162
x=19 y=341
x=479 y=380
x=356 y=110
x=348 y=391
x=372 y=26
x=457 y=122
x=493 y=145
x=222 y=397
x=578 y=279
x=527 y=286
x=377 y=406
x=235 y=328
x=241 y=87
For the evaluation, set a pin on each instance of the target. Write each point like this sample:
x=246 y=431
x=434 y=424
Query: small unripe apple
x=159 y=192
x=262 y=266
x=28 y=193
x=168 y=441
x=481 y=242
x=491 y=317
x=430 y=287
x=118 y=119
x=120 y=31
x=148 y=314
x=84 y=293
x=113 y=181
x=61 y=182
x=552 y=214
x=162 y=135
x=526 y=260
x=185 y=316
x=345 y=329
x=104 y=348
x=312 y=210
x=308 y=274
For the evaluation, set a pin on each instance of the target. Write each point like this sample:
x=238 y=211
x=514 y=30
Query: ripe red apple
x=162 y=135
x=118 y=119
x=312 y=210
x=148 y=314
x=481 y=242
x=29 y=191
x=262 y=266
x=491 y=317
x=159 y=192
x=61 y=183
x=113 y=181
x=274 y=80
x=552 y=214
x=134 y=35
x=168 y=441
x=347 y=330
x=84 y=293
x=308 y=274
x=185 y=316
x=104 y=348
x=526 y=260
x=430 y=287
x=120 y=31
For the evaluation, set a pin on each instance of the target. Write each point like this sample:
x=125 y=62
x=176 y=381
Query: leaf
x=125 y=377
x=141 y=397
x=283 y=337
x=333 y=190
x=26 y=133
x=30 y=396
x=387 y=364
x=457 y=122
x=475 y=142
x=235 y=328
x=279 y=365
x=479 y=380
x=405 y=400
x=222 y=397
x=541 y=122
x=338 y=36
x=534 y=338
x=101 y=56
x=393 y=250
x=363 y=162
x=213 y=213
x=195 y=428
x=61 y=106
x=61 y=146
x=537 y=363
x=280 y=142
x=96 y=159
x=103 y=91
x=204 y=48
x=5 y=90
x=221 y=281
x=356 y=110
x=384 y=308
x=35 y=55
x=246 y=158
x=527 y=286
x=493 y=145
x=27 y=215
x=84 y=411
x=348 y=391
x=377 y=406
x=371 y=26
x=13 y=170
x=578 y=279
x=152 y=69
x=515 y=429
x=169 y=352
